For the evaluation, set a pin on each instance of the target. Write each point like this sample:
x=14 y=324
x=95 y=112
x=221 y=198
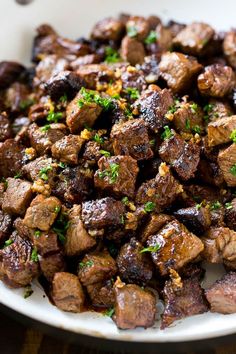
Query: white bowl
x=74 y=18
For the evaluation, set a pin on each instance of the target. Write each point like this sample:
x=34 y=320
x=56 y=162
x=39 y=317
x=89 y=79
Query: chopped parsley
x=60 y=227
x=109 y=312
x=172 y=109
x=28 y=291
x=233 y=136
x=86 y=264
x=152 y=142
x=8 y=243
x=112 y=173
x=194 y=107
x=228 y=205
x=4 y=181
x=57 y=209
x=151 y=38
x=198 y=206
x=167 y=134
x=187 y=124
x=196 y=129
x=132 y=92
x=45 y=128
x=43 y=173
x=149 y=207
x=215 y=205
x=233 y=170
x=112 y=56
x=132 y=31
x=24 y=104
x=62 y=165
x=122 y=219
x=18 y=175
x=125 y=200
x=34 y=255
x=151 y=248
x=64 y=98
x=98 y=139
x=37 y=233
x=89 y=96
x=208 y=108
x=54 y=117
x=105 y=153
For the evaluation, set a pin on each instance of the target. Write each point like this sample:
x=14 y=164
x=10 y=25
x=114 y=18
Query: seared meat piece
x=178 y=70
x=152 y=105
x=67 y=149
x=220 y=130
x=134 y=307
x=17 y=266
x=161 y=190
x=210 y=173
x=102 y=294
x=133 y=265
x=42 y=140
x=183 y=157
x=42 y=212
x=131 y=138
x=217 y=217
x=153 y=21
x=229 y=46
x=9 y=72
x=216 y=80
x=94 y=75
x=67 y=292
x=77 y=238
x=92 y=152
x=51 y=264
x=196 y=219
x=133 y=78
x=138 y=27
x=155 y=223
x=198 y=193
x=64 y=82
x=188 y=117
x=99 y=213
x=11 y=158
x=5 y=127
x=17 y=97
x=222 y=294
x=85 y=60
x=35 y=169
x=220 y=246
x=150 y=69
x=175 y=27
x=108 y=29
x=217 y=109
x=182 y=301
x=49 y=66
x=23 y=230
x=5 y=226
x=45 y=242
x=177 y=247
x=77 y=117
x=194 y=38
x=132 y=50
x=96 y=267
x=230 y=215
x=17 y=196
x=164 y=40
x=227 y=164
x=117 y=175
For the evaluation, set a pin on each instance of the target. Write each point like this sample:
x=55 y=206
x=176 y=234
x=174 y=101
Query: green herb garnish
x=109 y=312
x=151 y=248
x=152 y=142
x=62 y=165
x=57 y=209
x=198 y=206
x=187 y=124
x=208 y=108
x=196 y=129
x=125 y=200
x=105 y=153
x=60 y=227
x=45 y=128
x=151 y=38
x=132 y=31
x=98 y=139
x=24 y=104
x=54 y=117
x=228 y=205
x=194 y=107
x=233 y=170
x=37 y=233
x=64 y=98
x=86 y=264
x=8 y=243
x=233 y=136
x=28 y=291
x=149 y=207
x=167 y=134
x=132 y=92
x=18 y=175
x=215 y=205
x=112 y=56
x=43 y=173
x=34 y=255
x=112 y=172
x=89 y=96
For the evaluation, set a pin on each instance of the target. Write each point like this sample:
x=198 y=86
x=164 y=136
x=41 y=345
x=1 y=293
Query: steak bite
x=49 y=66
x=117 y=175
x=183 y=157
x=188 y=117
x=216 y=109
x=216 y=81
x=43 y=167
x=132 y=50
x=134 y=266
x=194 y=38
x=131 y=138
x=11 y=158
x=9 y=72
x=67 y=292
x=229 y=47
x=96 y=267
x=50 y=264
x=97 y=214
x=219 y=131
x=178 y=70
x=138 y=27
x=5 y=128
x=42 y=212
x=222 y=294
x=176 y=247
x=134 y=306
x=5 y=226
x=102 y=294
x=77 y=238
x=45 y=242
x=230 y=215
x=94 y=75
x=154 y=224
x=108 y=29
x=17 y=196
x=67 y=149
x=227 y=164
x=196 y=219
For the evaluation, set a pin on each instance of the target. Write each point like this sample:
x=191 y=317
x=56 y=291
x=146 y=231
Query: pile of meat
x=118 y=169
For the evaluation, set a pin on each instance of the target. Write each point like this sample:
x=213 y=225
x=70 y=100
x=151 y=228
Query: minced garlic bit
x=95 y=233
x=31 y=153
x=40 y=187
x=131 y=69
x=86 y=134
x=130 y=221
x=169 y=116
x=151 y=192
x=114 y=88
x=163 y=169
x=101 y=86
x=176 y=279
x=119 y=283
x=131 y=206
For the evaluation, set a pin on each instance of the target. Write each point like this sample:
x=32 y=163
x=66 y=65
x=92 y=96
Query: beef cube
x=17 y=96
x=77 y=117
x=210 y=173
x=9 y=72
x=17 y=196
x=5 y=128
x=85 y=60
x=108 y=29
x=92 y=152
x=153 y=21
x=99 y=213
x=177 y=247
x=23 y=230
x=217 y=217
x=51 y=264
x=178 y=70
x=67 y=292
x=161 y=190
x=154 y=224
x=229 y=47
x=95 y=74
x=134 y=306
x=117 y=175
x=96 y=267
x=77 y=238
x=67 y=149
x=153 y=105
x=197 y=220
x=227 y=164
x=217 y=109
x=133 y=265
x=175 y=27
x=183 y=157
x=138 y=27
x=11 y=158
x=101 y=294
x=49 y=66
x=133 y=78
x=194 y=38
x=74 y=185
x=182 y=301
x=150 y=69
x=41 y=140
x=131 y=138
x=216 y=80
x=199 y=193
x=45 y=242
x=5 y=226
x=188 y=117
x=34 y=169
x=132 y=50
x=42 y=212
x=230 y=215
x=219 y=131
x=164 y=40
x=222 y=294
x=16 y=263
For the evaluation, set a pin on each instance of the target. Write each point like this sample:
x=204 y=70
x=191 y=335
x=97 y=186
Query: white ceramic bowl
x=74 y=18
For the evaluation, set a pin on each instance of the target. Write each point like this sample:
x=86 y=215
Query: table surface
x=15 y=338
